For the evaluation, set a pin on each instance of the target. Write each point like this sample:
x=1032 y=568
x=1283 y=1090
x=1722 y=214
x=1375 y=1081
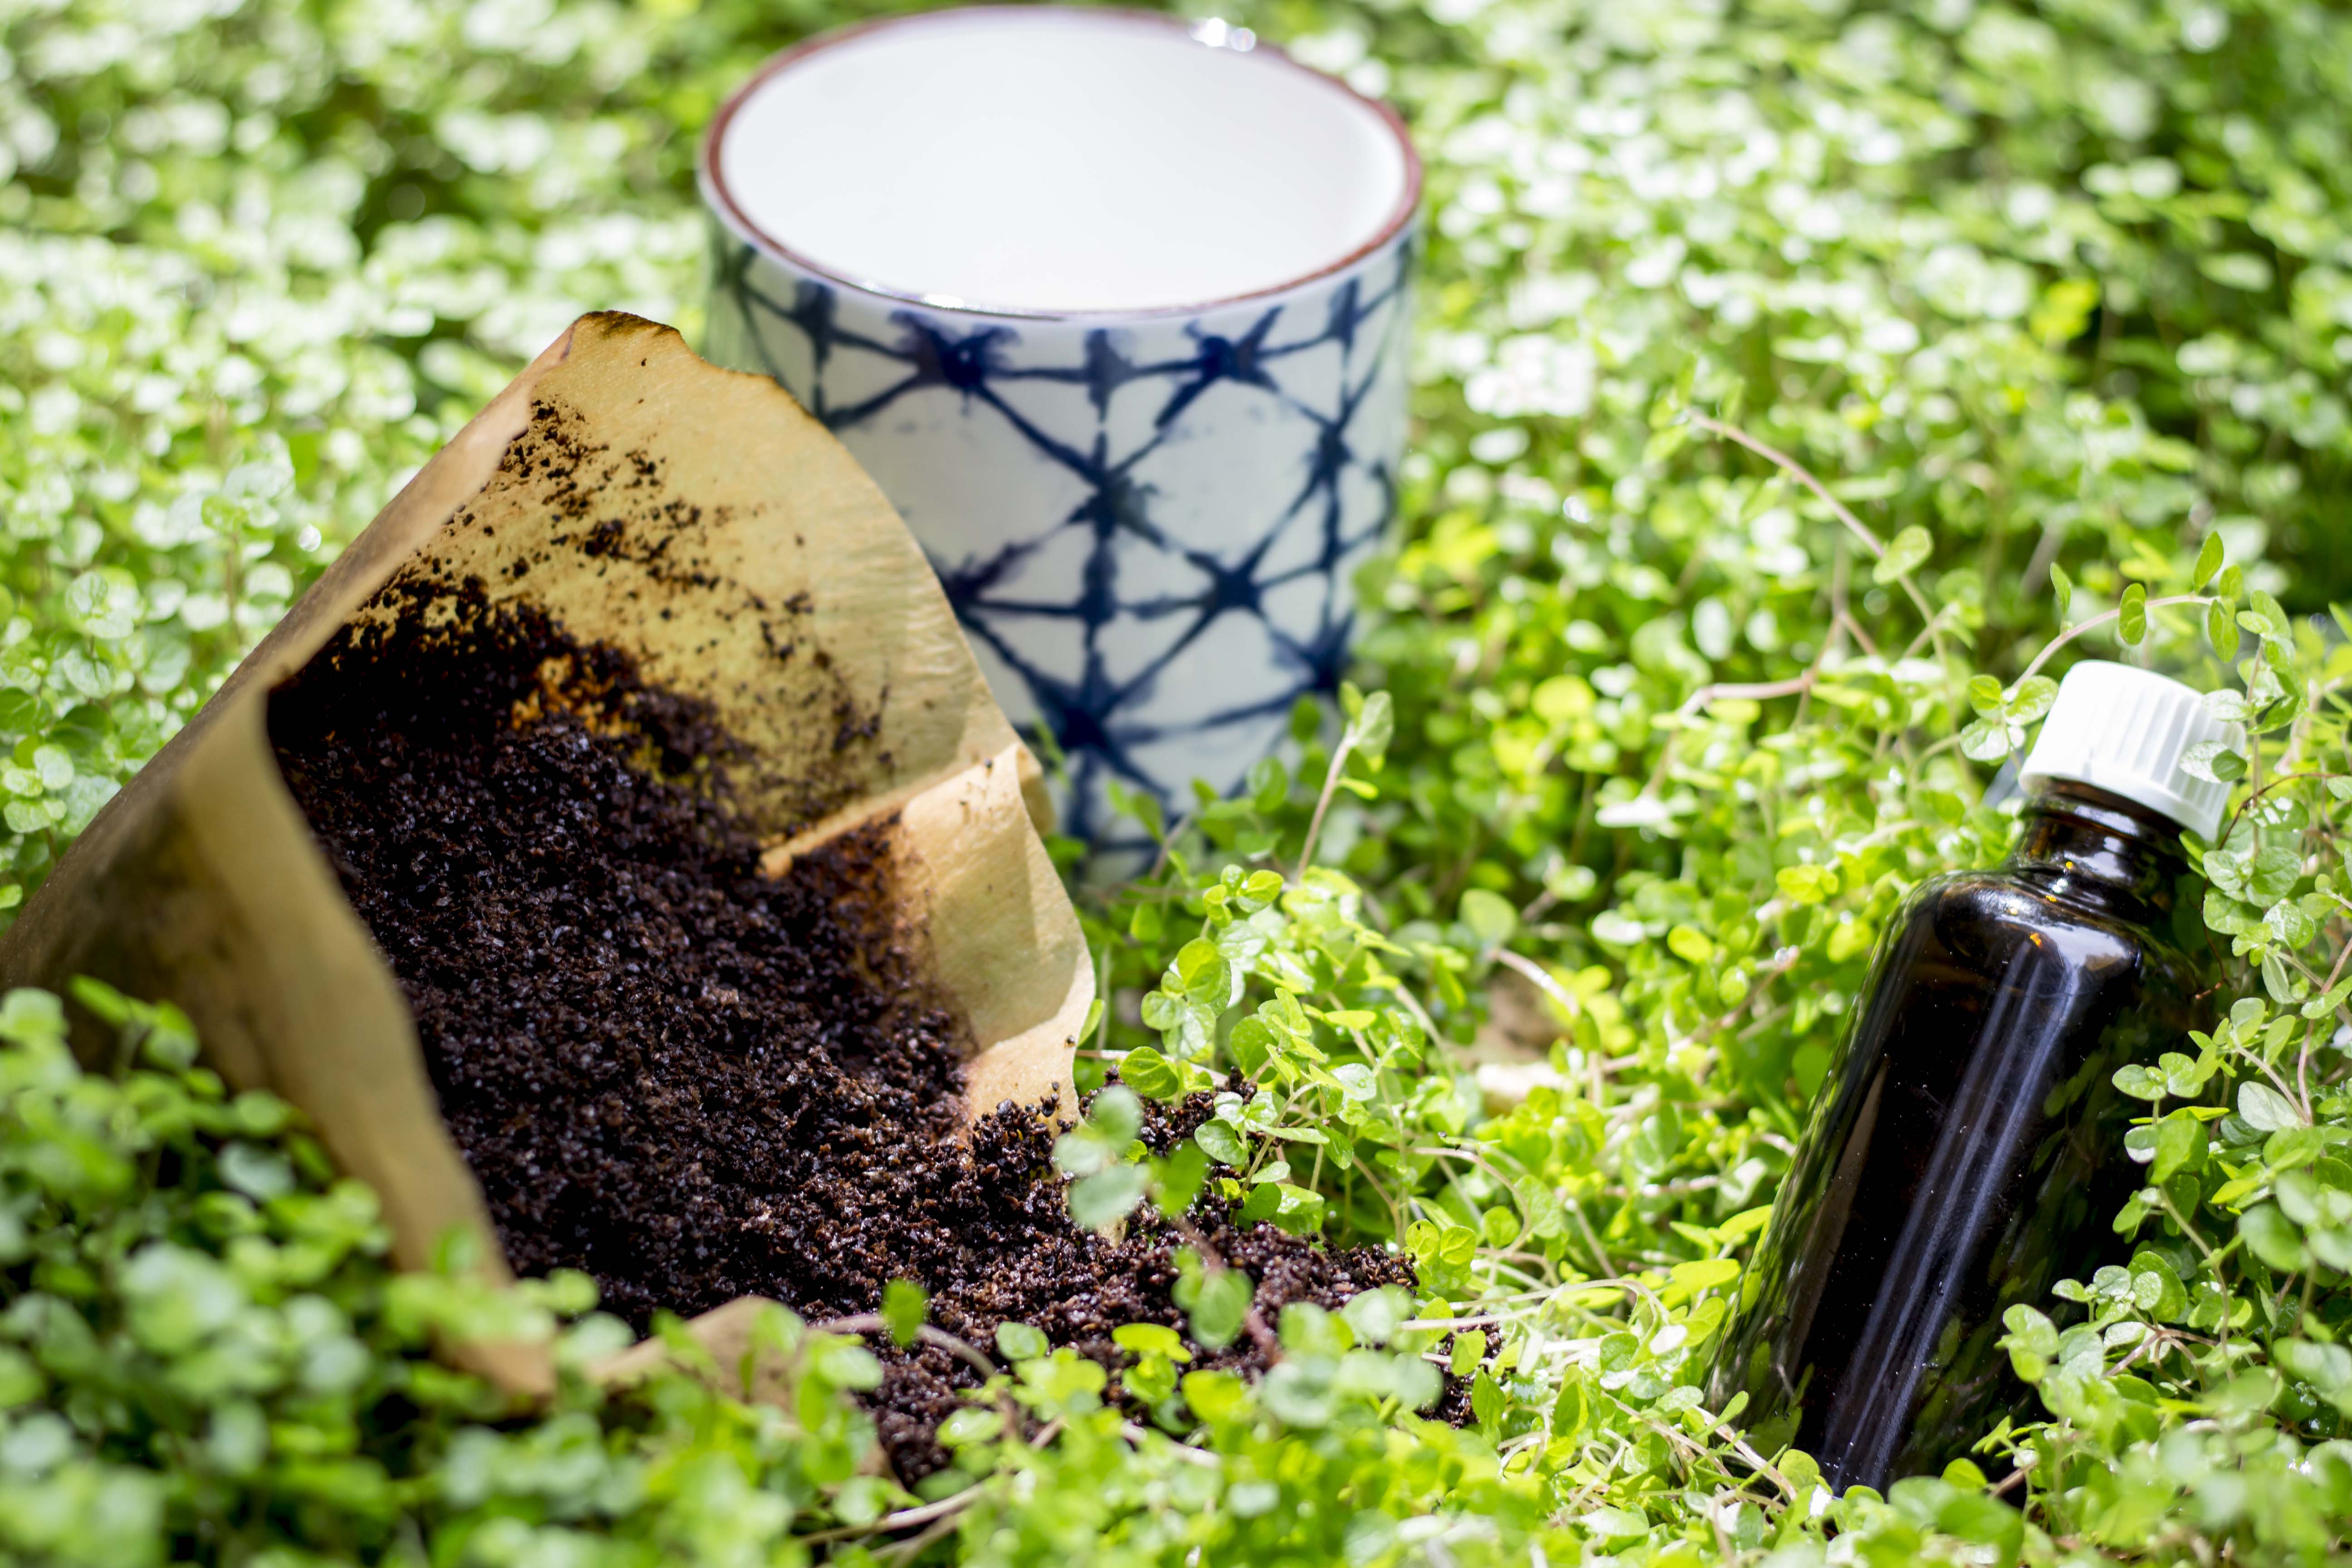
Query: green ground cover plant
x=1801 y=385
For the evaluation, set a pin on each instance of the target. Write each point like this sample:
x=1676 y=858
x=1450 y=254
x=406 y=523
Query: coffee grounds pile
x=689 y=1080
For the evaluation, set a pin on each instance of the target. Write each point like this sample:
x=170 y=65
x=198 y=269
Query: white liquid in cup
x=1054 y=162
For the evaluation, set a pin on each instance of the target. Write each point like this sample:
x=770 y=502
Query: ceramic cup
x=1113 y=307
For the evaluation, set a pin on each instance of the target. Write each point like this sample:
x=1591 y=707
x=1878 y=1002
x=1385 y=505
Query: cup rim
x=721 y=201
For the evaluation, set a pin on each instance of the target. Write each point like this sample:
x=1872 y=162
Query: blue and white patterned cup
x=1113 y=309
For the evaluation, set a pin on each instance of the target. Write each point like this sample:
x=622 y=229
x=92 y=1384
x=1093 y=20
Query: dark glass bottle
x=1966 y=1152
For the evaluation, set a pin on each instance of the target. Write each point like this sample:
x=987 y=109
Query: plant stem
x=872 y=1324
x=1213 y=1262
x=1323 y=802
x=1804 y=476
x=2079 y=627
x=905 y=1519
x=1540 y=977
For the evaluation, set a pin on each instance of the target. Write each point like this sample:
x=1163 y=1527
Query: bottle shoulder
x=2002 y=906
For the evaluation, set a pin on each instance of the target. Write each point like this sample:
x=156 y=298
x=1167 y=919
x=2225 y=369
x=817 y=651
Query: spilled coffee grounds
x=687 y=1079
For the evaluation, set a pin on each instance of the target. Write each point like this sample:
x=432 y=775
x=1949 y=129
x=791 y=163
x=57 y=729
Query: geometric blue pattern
x=1157 y=615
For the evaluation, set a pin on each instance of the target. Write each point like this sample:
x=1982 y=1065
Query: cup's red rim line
x=722 y=200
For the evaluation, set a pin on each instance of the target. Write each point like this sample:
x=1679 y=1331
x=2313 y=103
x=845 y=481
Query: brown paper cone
x=699 y=520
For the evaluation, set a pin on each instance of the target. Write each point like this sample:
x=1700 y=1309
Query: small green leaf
x=2029 y=1330
x=1688 y=1280
x=1298 y=1210
x=1986 y=741
x=1201 y=974
x=1487 y=1399
x=1376 y=1315
x=1905 y=553
x=1219 y=1142
x=2184 y=1075
x=2156 y=1288
x=2276 y=870
x=904 y=1304
x=2180 y=1145
x=1690 y=944
x=1373 y=727
x=1117 y=1115
x=1664 y=443
x=2207 y=759
x=1150 y=1074
x=1109 y=1196
x=2271 y=614
x=1491 y=918
x=1807 y=884
x=2030 y=699
x=2208 y=561
x=2276 y=979
x=1151 y=1339
x=1178 y=1179
x=1964 y=1474
x=259 y=1173
x=971 y=1424
x=1573 y=1412
x=1265 y=1200
x=1221 y=1306
x=2063 y=586
x=2271 y=1237
x=1613 y=1524
x=1019 y=1341
x=1268 y=785
x=1140 y=804
x=2131 y=619
x=2265 y=1109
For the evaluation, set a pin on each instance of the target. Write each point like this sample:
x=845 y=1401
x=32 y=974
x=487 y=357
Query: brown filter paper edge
x=344 y=1046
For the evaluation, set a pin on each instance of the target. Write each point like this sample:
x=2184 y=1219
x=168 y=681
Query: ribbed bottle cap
x=2124 y=729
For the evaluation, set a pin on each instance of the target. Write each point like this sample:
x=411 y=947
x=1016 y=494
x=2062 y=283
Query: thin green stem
x=2079 y=627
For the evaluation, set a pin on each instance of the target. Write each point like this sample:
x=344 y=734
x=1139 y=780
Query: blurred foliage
x=204 y=1357
x=1795 y=376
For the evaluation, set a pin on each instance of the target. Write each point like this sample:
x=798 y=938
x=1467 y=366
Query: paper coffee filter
x=698 y=520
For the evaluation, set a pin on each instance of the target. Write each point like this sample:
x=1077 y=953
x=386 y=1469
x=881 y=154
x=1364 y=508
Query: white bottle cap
x=2124 y=729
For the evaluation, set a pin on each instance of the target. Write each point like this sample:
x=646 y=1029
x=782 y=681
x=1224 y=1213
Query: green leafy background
x=1800 y=384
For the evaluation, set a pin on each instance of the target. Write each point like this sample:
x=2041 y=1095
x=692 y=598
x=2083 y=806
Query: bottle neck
x=2099 y=848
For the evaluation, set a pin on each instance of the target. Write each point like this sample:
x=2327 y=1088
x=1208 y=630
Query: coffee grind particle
x=689 y=1080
